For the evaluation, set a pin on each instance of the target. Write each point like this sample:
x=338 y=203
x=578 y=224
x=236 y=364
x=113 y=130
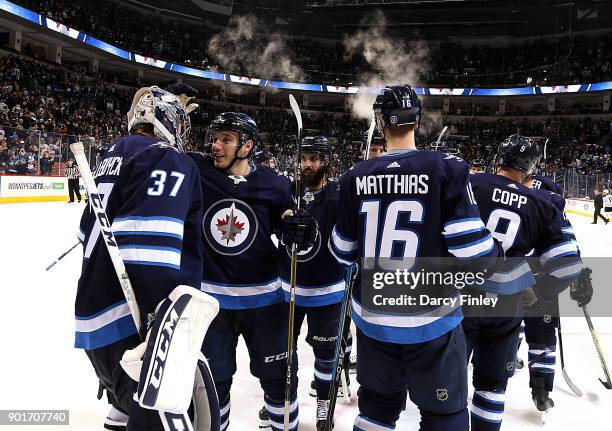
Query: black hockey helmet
x=377 y=138
x=478 y=163
x=519 y=152
x=316 y=144
x=397 y=106
x=262 y=155
x=243 y=124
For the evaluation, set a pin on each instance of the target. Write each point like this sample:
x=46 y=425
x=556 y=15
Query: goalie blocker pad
x=172 y=353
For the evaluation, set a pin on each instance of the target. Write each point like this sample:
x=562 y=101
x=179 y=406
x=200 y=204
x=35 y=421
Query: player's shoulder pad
x=554 y=198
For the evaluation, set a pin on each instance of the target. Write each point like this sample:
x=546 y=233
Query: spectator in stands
x=73 y=174
x=598 y=203
x=46 y=164
x=13 y=162
x=22 y=161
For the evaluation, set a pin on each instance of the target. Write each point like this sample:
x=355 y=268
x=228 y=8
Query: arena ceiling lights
x=322 y=88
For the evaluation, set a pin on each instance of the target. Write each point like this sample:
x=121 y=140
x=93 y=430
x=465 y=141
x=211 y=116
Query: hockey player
x=151 y=192
x=524 y=222
x=377 y=145
x=320 y=278
x=543 y=317
x=403 y=204
x=244 y=204
x=478 y=166
x=607 y=202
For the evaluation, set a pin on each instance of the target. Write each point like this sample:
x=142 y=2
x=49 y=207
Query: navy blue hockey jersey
x=320 y=277
x=401 y=205
x=526 y=223
x=241 y=262
x=152 y=196
x=545 y=183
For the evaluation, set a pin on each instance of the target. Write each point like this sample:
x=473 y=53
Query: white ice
x=40 y=369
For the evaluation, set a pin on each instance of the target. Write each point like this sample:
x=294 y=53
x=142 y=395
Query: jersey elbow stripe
x=563 y=249
x=568 y=271
x=462 y=227
x=161 y=226
x=346 y=259
x=343 y=244
x=151 y=255
x=474 y=249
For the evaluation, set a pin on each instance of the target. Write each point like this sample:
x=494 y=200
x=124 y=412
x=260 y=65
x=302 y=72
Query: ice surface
x=40 y=369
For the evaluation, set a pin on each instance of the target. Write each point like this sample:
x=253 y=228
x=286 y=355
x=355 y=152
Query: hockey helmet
x=243 y=124
x=519 y=152
x=396 y=106
x=164 y=111
x=316 y=144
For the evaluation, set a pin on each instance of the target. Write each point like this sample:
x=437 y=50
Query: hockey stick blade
x=569 y=382
x=606 y=383
x=575 y=389
x=296 y=111
x=441 y=134
x=370 y=135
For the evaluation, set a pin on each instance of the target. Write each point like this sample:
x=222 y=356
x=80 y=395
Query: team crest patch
x=230 y=226
x=442 y=394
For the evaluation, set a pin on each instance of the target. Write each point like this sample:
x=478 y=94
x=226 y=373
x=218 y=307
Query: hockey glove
x=581 y=289
x=299 y=229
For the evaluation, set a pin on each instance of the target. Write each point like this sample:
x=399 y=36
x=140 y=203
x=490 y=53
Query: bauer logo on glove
x=298 y=228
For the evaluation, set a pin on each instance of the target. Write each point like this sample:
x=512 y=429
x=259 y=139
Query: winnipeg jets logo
x=230 y=226
x=513 y=186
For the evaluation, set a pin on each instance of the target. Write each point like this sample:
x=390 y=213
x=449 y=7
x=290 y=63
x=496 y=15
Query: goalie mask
x=166 y=112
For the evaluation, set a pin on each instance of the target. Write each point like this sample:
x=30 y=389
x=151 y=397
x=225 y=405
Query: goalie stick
x=607 y=383
x=170 y=421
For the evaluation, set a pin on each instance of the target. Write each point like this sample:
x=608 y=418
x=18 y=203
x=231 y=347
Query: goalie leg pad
x=173 y=349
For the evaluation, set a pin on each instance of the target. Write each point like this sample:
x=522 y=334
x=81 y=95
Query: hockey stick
x=109 y=239
x=170 y=421
x=569 y=382
x=63 y=255
x=370 y=134
x=608 y=383
x=298 y=117
x=344 y=326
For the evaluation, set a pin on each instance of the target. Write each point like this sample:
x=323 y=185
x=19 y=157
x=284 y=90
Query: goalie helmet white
x=166 y=112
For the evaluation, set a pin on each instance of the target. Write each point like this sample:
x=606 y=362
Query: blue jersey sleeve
x=464 y=232
x=558 y=253
x=157 y=227
x=343 y=238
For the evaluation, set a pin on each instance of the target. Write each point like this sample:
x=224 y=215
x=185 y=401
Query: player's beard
x=312 y=178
